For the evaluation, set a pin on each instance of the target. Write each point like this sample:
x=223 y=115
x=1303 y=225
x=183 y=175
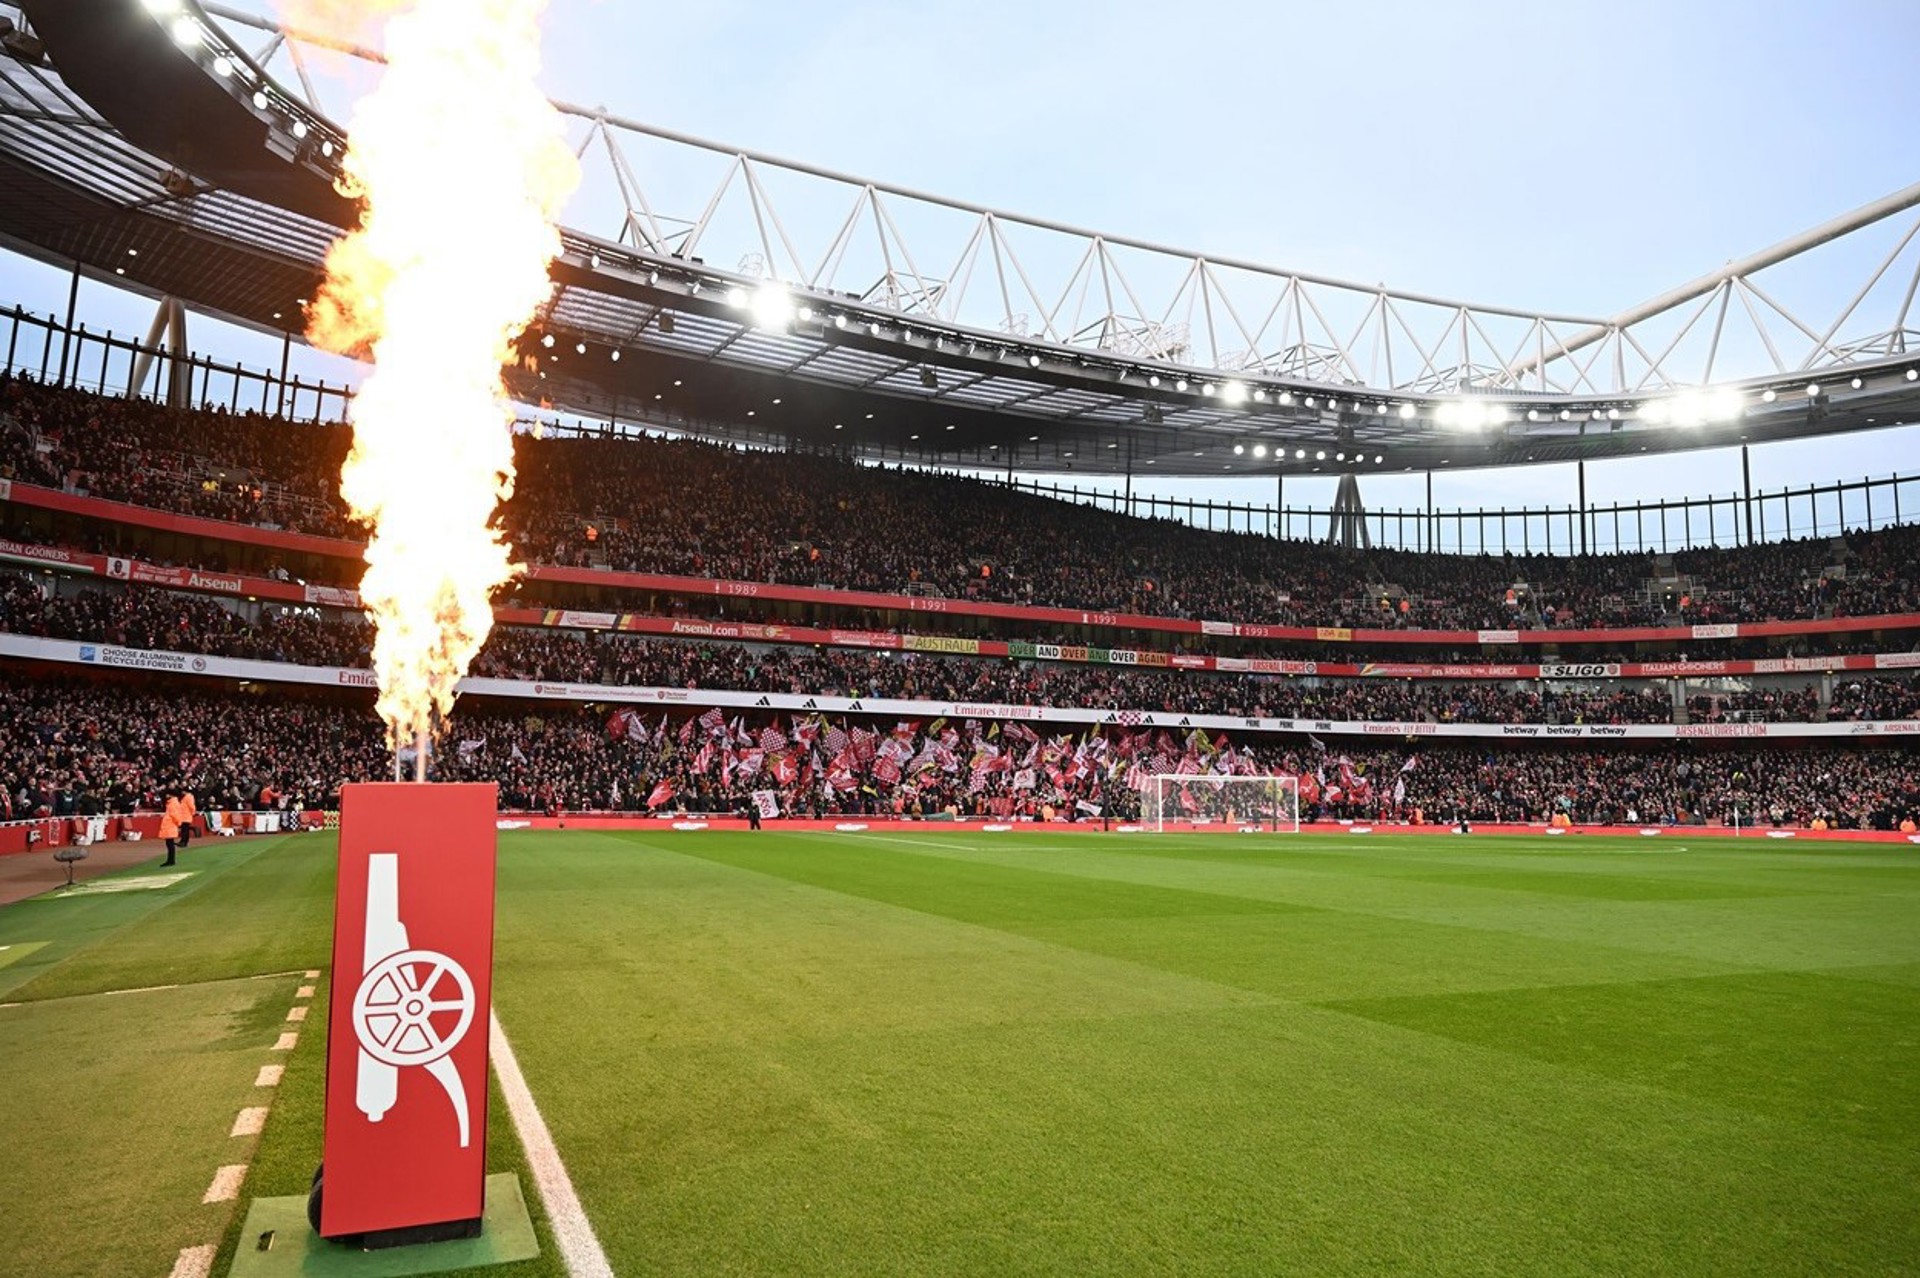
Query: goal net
x=1266 y=803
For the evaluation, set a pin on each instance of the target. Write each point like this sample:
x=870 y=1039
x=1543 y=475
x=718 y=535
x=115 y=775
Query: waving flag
x=661 y=793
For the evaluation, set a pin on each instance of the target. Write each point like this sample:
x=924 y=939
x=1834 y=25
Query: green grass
x=956 y=1053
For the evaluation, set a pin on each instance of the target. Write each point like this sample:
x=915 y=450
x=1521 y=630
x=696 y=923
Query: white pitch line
x=193 y=1262
x=312 y=972
x=285 y=1042
x=296 y=1013
x=919 y=843
x=572 y=1231
x=269 y=1076
x=141 y=989
x=226 y=1184
x=305 y=991
x=249 y=1121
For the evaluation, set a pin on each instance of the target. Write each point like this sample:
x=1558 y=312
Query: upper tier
x=693 y=519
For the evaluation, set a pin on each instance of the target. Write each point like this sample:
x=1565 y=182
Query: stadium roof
x=157 y=153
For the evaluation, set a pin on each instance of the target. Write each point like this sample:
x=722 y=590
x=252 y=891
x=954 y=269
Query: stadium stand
x=174 y=621
x=810 y=520
x=70 y=747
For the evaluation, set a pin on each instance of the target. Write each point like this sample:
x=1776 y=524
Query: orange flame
x=463 y=168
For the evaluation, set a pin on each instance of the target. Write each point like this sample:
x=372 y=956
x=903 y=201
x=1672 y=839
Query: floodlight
x=1259 y=450
x=1239 y=449
x=1299 y=454
x=1234 y=392
x=1406 y=412
x=772 y=307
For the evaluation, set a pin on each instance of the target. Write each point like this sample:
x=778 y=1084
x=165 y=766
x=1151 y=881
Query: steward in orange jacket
x=170 y=820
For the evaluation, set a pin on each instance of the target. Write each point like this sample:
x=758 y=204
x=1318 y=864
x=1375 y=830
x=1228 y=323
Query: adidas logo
x=762 y=703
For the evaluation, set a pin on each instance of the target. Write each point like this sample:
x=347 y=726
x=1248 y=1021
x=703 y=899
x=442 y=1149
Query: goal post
x=1266 y=803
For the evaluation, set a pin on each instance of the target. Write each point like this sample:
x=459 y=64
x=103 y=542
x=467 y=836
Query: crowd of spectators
x=143 y=617
x=682 y=507
x=152 y=618
x=1875 y=697
x=83 y=747
x=1758 y=705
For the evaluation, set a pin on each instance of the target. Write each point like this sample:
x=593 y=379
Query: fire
x=463 y=168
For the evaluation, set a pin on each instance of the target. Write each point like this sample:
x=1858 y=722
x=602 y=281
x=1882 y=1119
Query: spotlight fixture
x=1153 y=379
x=1181 y=384
x=1259 y=450
x=1769 y=395
x=1321 y=455
x=547 y=341
x=928 y=379
x=1033 y=361
x=579 y=348
x=1239 y=449
x=772 y=307
x=1813 y=390
x=1299 y=454
x=614 y=356
x=1406 y=412
x=1856 y=383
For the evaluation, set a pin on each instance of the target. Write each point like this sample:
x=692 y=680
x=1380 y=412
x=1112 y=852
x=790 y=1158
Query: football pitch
x=958 y=1053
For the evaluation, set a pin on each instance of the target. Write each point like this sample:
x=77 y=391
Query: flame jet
x=462 y=166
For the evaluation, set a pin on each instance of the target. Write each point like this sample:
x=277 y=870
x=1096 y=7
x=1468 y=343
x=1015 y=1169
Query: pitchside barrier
x=694 y=821
x=40 y=833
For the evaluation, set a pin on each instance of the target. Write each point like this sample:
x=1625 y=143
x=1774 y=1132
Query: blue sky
x=1572 y=157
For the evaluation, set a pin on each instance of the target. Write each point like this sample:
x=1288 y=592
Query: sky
x=1573 y=157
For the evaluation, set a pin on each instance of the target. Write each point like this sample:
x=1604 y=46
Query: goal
x=1266 y=803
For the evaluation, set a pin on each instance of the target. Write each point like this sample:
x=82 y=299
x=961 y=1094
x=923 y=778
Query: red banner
x=406 y=1113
